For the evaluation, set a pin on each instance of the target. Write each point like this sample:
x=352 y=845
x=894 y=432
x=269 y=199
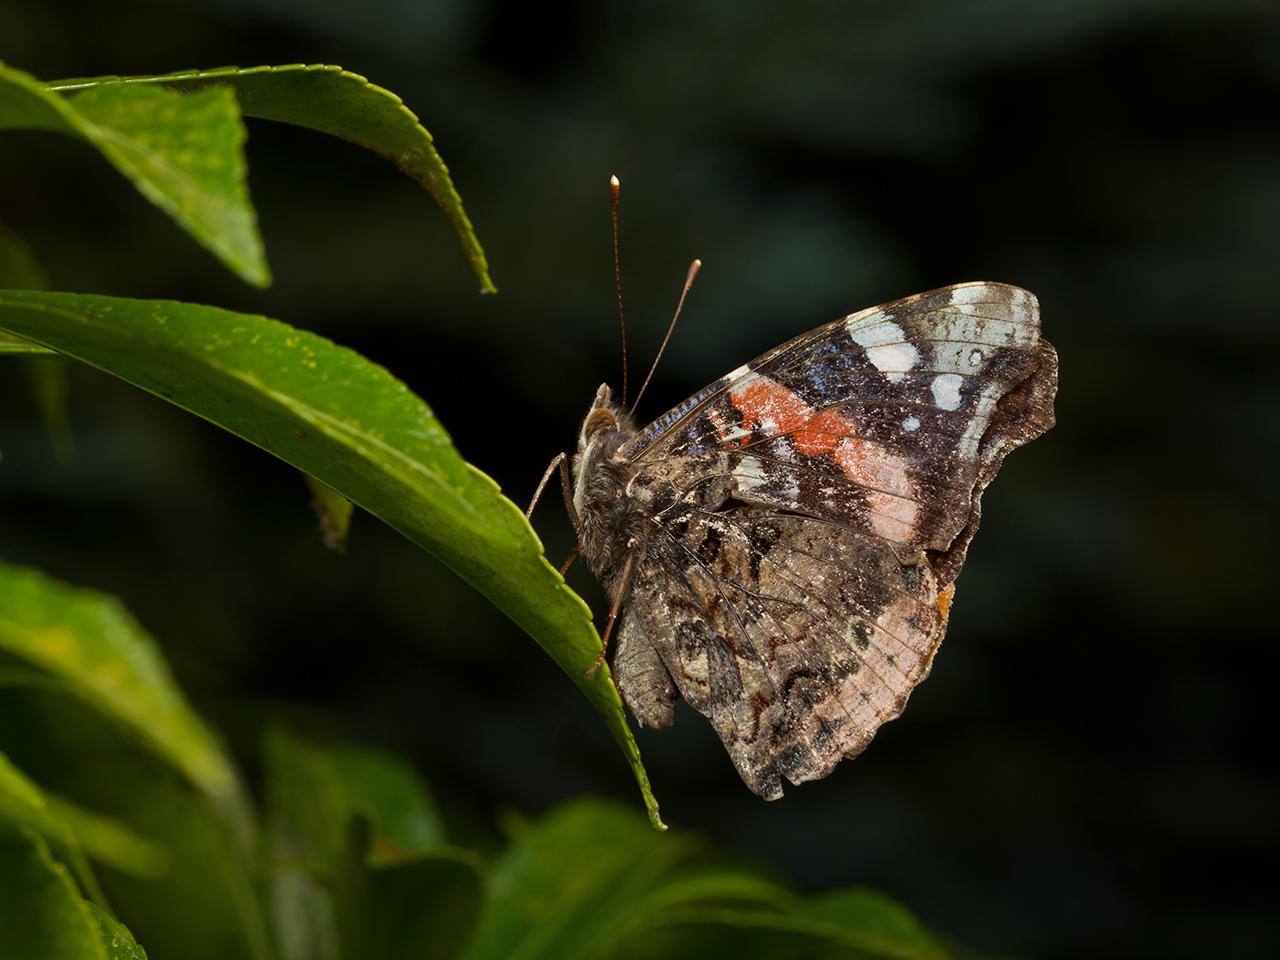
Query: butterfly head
x=606 y=428
x=603 y=421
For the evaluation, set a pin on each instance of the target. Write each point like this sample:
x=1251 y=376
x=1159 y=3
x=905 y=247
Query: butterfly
x=781 y=548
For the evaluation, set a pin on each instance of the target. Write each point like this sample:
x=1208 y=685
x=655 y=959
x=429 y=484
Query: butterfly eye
x=599 y=419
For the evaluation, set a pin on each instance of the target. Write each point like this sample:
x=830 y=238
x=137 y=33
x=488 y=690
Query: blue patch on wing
x=820 y=374
x=671 y=418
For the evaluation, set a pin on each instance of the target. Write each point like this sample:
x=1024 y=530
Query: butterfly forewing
x=876 y=419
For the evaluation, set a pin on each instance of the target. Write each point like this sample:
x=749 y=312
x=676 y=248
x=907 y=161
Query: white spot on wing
x=997 y=301
x=963 y=293
x=910 y=424
x=967 y=448
x=946 y=391
x=750 y=474
x=1025 y=307
x=886 y=347
x=740 y=371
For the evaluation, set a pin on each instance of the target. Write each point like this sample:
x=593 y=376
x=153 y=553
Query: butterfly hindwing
x=796 y=637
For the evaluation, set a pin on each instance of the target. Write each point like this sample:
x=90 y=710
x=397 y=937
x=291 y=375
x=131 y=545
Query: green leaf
x=47 y=375
x=90 y=643
x=334 y=512
x=21 y=801
x=873 y=922
x=779 y=933
x=387 y=792
x=561 y=888
x=42 y=916
x=350 y=424
x=360 y=857
x=210 y=904
x=12 y=344
x=19 y=270
x=110 y=841
x=334 y=101
x=856 y=924
x=30 y=678
x=52 y=392
x=24 y=804
x=116 y=938
x=591 y=880
x=184 y=153
x=768 y=934
x=424 y=908
x=315 y=793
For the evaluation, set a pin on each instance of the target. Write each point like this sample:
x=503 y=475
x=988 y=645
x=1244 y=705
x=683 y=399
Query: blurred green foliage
x=89 y=647
x=353 y=858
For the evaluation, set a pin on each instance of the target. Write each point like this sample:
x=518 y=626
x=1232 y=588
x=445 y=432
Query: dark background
x=1083 y=774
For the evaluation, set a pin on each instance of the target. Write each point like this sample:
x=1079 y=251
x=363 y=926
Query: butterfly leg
x=573 y=555
x=560 y=461
x=566 y=487
x=556 y=461
x=624 y=584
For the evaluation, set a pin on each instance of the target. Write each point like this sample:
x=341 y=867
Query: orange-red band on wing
x=771 y=409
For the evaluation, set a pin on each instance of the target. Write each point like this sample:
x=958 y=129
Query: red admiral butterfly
x=781 y=549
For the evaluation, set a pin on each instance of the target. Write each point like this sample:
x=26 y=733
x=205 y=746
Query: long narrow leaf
x=104 y=839
x=21 y=801
x=111 y=842
x=350 y=424
x=184 y=153
x=334 y=101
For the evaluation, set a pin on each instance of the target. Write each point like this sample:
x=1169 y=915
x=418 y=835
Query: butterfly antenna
x=614 y=186
x=688 y=282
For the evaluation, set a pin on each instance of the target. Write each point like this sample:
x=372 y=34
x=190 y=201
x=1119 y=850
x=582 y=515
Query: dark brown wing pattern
x=809 y=514
x=797 y=638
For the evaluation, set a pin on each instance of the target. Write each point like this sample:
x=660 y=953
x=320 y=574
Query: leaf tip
x=256 y=273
